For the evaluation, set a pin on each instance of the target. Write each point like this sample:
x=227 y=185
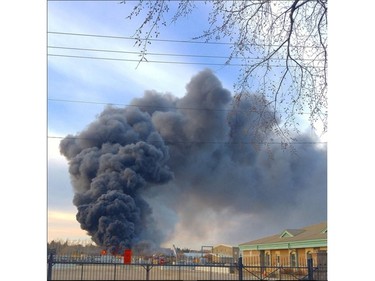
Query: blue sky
x=91 y=84
x=80 y=88
x=114 y=82
x=100 y=82
x=24 y=65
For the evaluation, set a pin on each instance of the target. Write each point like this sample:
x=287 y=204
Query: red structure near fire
x=127 y=256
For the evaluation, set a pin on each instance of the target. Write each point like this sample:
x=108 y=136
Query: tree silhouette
x=282 y=45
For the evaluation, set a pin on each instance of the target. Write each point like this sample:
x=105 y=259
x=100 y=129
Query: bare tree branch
x=291 y=31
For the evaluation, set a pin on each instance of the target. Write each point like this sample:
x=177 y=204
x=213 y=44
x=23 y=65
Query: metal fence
x=97 y=268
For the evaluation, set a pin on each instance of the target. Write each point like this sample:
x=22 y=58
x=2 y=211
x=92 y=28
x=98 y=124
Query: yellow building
x=291 y=247
x=225 y=254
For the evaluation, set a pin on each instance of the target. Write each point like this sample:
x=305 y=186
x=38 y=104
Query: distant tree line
x=72 y=248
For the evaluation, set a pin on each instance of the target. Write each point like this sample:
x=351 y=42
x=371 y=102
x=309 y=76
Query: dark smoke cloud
x=111 y=163
x=177 y=161
x=220 y=177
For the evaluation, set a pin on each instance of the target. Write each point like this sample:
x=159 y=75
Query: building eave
x=286 y=245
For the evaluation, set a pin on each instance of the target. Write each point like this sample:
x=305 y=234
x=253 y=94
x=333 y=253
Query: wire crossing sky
x=94 y=70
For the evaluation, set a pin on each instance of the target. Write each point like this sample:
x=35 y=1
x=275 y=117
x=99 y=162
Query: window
x=308 y=255
x=267 y=260
x=293 y=258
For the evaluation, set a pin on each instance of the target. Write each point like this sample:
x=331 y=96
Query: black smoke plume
x=172 y=162
x=111 y=163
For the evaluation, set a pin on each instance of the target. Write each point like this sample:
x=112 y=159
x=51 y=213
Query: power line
x=166 y=40
x=146 y=60
x=137 y=53
x=124 y=1
x=206 y=142
x=160 y=107
x=170 y=62
x=132 y=38
x=135 y=105
x=161 y=54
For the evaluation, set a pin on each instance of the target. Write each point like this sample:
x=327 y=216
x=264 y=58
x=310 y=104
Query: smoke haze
x=167 y=168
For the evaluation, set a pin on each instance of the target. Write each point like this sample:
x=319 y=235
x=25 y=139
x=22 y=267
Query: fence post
x=114 y=274
x=147 y=272
x=50 y=264
x=81 y=271
x=240 y=266
x=310 y=269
